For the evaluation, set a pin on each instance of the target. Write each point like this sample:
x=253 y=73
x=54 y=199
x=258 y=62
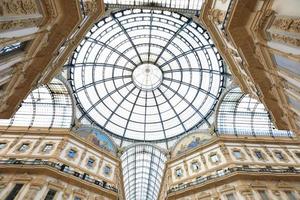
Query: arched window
x=240 y=114
x=48 y=106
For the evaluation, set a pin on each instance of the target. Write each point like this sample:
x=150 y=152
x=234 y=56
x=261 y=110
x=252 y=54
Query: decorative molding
x=18 y=7
x=285 y=39
x=18 y=24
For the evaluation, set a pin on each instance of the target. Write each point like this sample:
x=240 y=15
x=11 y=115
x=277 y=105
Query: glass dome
x=146 y=75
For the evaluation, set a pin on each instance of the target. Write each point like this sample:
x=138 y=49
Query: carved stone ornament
x=18 y=7
x=286 y=39
x=31 y=193
x=265 y=19
x=18 y=24
x=283 y=23
x=217 y=16
x=90 y=7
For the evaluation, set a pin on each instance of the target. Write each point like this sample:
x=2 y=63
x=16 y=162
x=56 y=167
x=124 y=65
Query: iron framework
x=143 y=167
x=239 y=114
x=101 y=75
x=48 y=106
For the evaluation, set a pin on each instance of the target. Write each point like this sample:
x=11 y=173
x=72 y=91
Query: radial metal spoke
x=101 y=81
x=172 y=38
x=193 y=86
x=87 y=64
x=194 y=70
x=171 y=106
x=161 y=120
x=103 y=98
x=150 y=35
x=92 y=40
x=127 y=35
x=150 y=50
x=129 y=117
x=119 y=104
x=189 y=103
x=188 y=52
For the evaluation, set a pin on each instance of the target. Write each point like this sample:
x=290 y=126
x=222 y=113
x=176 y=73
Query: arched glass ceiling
x=48 y=106
x=180 y=4
x=240 y=114
x=142 y=167
x=146 y=75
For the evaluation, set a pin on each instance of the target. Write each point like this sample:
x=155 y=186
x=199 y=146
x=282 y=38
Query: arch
x=239 y=114
x=48 y=106
x=190 y=141
x=97 y=137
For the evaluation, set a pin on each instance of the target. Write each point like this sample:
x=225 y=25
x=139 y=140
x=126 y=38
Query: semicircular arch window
x=146 y=75
x=239 y=114
x=48 y=106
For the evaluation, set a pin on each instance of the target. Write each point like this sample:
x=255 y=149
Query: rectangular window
x=90 y=162
x=290 y=195
x=263 y=195
x=47 y=148
x=237 y=154
x=24 y=147
x=279 y=155
x=214 y=158
x=230 y=197
x=2 y=145
x=195 y=166
x=77 y=198
x=259 y=155
x=14 y=192
x=179 y=172
x=72 y=153
x=107 y=170
x=297 y=154
x=50 y=194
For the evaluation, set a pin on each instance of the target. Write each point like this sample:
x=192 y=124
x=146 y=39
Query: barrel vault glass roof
x=146 y=75
x=143 y=166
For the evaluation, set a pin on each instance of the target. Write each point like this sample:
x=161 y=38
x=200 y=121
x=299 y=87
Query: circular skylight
x=146 y=75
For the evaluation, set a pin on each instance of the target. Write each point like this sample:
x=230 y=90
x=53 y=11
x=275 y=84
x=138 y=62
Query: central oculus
x=147 y=76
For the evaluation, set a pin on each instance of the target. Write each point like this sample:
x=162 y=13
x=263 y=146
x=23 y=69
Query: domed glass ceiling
x=146 y=75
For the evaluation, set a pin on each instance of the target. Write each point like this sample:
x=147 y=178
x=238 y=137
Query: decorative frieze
x=18 y=24
x=285 y=39
x=18 y=7
x=287 y=24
